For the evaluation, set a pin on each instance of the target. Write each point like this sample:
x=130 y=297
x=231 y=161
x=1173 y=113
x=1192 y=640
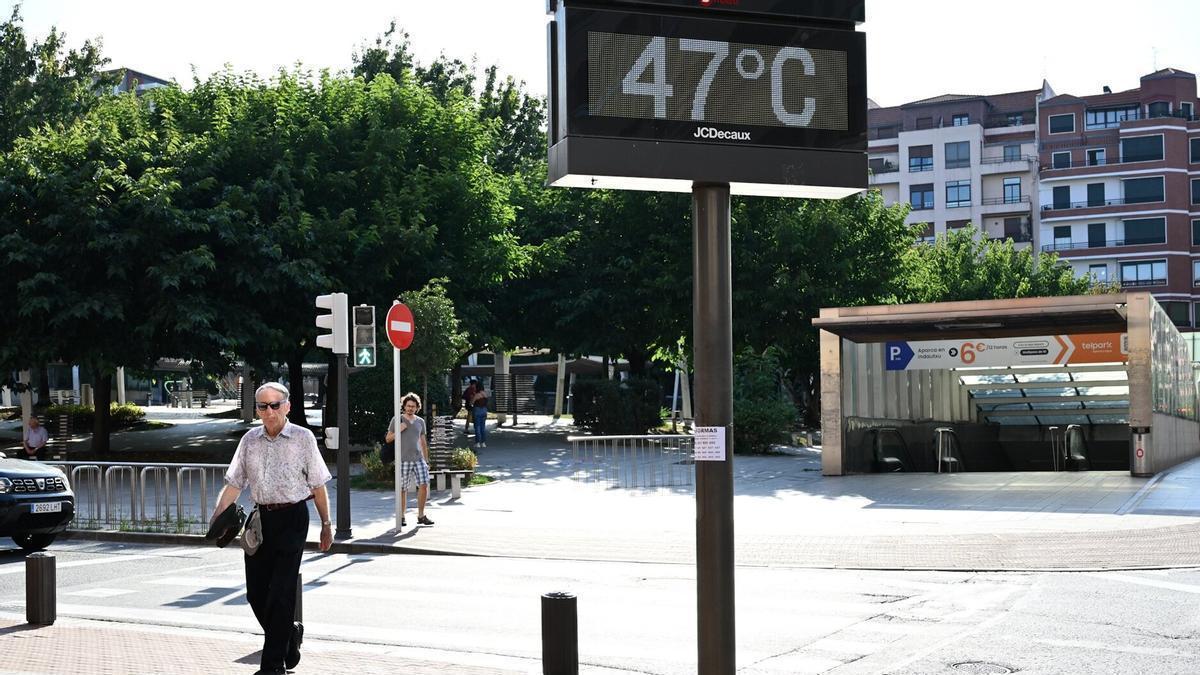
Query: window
x=958 y=193
x=1095 y=157
x=1061 y=160
x=888 y=131
x=1062 y=124
x=928 y=234
x=1194 y=146
x=1018 y=229
x=1196 y=233
x=1062 y=237
x=1178 y=312
x=1159 y=109
x=956 y=224
x=1098 y=272
x=921 y=196
x=958 y=155
x=1145 y=231
x=1196 y=272
x=1012 y=190
x=1062 y=197
x=1097 y=236
x=1109 y=117
x=1095 y=192
x=924 y=122
x=1144 y=273
x=1142 y=148
x=1186 y=111
x=920 y=158
x=1016 y=119
x=961 y=120
x=1142 y=190
x=1196 y=190
x=881 y=165
x=1012 y=153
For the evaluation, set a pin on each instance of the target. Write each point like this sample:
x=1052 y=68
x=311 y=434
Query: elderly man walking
x=280 y=464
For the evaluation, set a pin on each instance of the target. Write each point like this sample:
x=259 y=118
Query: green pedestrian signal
x=365 y=357
x=364 y=336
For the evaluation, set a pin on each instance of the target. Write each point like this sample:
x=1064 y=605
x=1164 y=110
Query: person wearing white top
x=280 y=465
x=34 y=439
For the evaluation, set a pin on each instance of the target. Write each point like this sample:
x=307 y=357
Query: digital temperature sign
x=646 y=99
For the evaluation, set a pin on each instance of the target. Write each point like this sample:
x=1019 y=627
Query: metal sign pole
x=343 y=459
x=397 y=394
x=713 y=348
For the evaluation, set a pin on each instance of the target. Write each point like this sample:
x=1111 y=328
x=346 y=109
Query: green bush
x=374 y=468
x=633 y=406
x=464 y=459
x=761 y=413
x=371 y=403
x=83 y=416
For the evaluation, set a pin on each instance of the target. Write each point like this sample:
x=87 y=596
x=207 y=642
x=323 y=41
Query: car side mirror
x=3 y=456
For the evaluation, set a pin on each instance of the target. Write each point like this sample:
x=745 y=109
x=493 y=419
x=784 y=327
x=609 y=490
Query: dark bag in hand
x=388 y=452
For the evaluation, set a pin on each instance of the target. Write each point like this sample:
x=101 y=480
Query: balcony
x=1098 y=203
x=995 y=205
x=1142 y=282
x=989 y=165
x=1110 y=243
x=1075 y=164
x=884 y=172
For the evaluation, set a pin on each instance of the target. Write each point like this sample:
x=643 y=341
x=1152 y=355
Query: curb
x=162 y=539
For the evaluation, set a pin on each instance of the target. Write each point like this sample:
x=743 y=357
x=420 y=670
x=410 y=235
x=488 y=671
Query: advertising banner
x=1016 y=351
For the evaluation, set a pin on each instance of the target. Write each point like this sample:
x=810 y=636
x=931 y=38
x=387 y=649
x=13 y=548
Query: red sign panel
x=399 y=326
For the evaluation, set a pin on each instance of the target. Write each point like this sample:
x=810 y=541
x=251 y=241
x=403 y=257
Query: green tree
x=963 y=265
x=103 y=269
x=44 y=82
x=438 y=343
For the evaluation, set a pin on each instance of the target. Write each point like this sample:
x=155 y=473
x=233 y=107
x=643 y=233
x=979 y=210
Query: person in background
x=34 y=439
x=468 y=397
x=479 y=410
x=413 y=452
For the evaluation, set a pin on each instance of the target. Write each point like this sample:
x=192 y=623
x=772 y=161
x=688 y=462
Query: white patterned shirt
x=281 y=470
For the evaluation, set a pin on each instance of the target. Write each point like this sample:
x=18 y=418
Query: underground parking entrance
x=1079 y=383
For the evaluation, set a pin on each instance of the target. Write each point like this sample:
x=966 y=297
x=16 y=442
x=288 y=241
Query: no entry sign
x=399 y=326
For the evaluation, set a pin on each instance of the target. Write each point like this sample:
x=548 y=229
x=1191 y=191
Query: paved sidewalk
x=104 y=648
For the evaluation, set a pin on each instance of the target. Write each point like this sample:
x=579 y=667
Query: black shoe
x=293 y=654
x=403 y=522
x=424 y=520
x=272 y=671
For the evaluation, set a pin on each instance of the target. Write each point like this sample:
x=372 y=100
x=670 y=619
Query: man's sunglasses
x=273 y=405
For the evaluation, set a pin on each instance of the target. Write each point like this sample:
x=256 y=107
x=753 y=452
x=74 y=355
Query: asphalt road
x=641 y=617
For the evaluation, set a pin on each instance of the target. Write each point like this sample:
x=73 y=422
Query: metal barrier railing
x=138 y=496
x=652 y=461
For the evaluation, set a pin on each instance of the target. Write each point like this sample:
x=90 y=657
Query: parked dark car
x=36 y=502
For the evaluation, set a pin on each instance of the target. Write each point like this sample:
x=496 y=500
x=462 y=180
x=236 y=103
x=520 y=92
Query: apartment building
x=1119 y=187
x=960 y=159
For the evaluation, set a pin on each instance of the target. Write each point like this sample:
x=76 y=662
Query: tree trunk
x=43 y=384
x=295 y=366
x=456 y=389
x=101 y=420
x=637 y=361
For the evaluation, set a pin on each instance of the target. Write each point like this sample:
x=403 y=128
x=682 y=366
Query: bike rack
x=179 y=479
x=109 y=483
x=162 y=488
x=80 y=475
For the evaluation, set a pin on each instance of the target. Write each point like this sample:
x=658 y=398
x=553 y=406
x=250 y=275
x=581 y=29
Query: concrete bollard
x=40 y=589
x=560 y=634
x=299 y=598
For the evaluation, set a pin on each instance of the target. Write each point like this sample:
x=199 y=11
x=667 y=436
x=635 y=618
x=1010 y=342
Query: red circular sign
x=399 y=326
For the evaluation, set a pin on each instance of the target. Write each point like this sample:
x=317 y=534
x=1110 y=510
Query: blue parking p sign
x=897 y=354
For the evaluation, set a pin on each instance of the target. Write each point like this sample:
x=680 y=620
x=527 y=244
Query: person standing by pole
x=413 y=457
x=281 y=466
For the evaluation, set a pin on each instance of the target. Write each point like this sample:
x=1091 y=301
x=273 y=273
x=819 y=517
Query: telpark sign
x=1018 y=351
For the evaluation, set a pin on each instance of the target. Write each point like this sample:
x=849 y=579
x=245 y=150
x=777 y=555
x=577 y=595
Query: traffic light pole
x=712 y=329
x=343 y=458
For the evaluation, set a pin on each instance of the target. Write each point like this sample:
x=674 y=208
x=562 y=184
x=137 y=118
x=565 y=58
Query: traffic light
x=338 y=323
x=364 y=336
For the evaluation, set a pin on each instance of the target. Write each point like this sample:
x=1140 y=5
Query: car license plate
x=47 y=507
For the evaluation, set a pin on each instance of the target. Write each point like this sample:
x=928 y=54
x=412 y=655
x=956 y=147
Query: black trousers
x=271 y=575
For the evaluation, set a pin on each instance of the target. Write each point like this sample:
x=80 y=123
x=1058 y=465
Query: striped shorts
x=413 y=474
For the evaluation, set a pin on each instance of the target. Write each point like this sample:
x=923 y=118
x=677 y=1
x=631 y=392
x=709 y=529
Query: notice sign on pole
x=1016 y=351
x=709 y=444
